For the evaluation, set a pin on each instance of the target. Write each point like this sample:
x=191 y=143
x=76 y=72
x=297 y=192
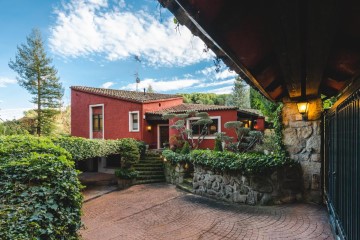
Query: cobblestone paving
x=159 y=211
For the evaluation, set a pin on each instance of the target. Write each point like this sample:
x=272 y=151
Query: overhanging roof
x=296 y=48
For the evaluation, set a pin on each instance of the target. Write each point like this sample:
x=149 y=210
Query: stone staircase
x=151 y=169
x=186 y=185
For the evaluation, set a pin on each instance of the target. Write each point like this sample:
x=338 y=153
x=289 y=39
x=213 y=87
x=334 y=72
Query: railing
x=342 y=166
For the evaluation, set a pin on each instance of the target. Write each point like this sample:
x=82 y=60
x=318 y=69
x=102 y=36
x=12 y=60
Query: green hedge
x=39 y=190
x=83 y=148
x=229 y=161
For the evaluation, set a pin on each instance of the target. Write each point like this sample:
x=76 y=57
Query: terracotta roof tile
x=125 y=95
x=192 y=107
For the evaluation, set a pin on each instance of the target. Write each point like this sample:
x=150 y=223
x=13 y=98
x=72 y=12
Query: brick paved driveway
x=159 y=211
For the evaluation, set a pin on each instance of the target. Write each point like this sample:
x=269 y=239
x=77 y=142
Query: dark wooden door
x=163 y=135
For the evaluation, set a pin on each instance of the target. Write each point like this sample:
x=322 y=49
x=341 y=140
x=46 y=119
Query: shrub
x=82 y=148
x=230 y=161
x=245 y=162
x=129 y=151
x=39 y=190
x=218 y=145
x=126 y=173
x=186 y=148
x=142 y=149
x=174 y=157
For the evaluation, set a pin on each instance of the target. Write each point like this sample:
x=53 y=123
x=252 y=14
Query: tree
x=150 y=89
x=202 y=123
x=39 y=77
x=267 y=108
x=240 y=96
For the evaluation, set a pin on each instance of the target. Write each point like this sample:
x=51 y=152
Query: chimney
x=144 y=91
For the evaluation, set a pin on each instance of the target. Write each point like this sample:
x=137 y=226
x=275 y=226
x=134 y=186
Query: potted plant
x=126 y=177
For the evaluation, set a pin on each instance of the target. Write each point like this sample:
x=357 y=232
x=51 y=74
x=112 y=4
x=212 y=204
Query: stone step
x=188 y=181
x=150 y=172
x=148 y=165
x=149 y=181
x=151 y=160
x=144 y=177
x=146 y=168
x=185 y=187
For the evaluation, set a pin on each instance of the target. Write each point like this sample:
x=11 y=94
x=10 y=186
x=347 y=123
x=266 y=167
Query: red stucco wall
x=150 y=137
x=226 y=116
x=116 y=115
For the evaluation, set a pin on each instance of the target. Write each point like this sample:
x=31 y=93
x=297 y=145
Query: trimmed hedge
x=83 y=148
x=39 y=190
x=229 y=161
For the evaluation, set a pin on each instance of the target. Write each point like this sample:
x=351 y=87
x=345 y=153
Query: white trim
x=211 y=117
x=130 y=121
x=158 y=134
x=91 y=120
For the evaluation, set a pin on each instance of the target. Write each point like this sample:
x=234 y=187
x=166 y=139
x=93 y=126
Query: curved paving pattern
x=159 y=211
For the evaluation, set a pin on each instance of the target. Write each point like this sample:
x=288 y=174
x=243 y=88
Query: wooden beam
x=321 y=28
x=285 y=28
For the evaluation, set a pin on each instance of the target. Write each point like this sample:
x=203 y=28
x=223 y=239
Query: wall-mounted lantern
x=303 y=108
x=148 y=128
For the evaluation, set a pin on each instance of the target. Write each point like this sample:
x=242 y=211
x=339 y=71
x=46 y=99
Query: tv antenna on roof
x=137 y=79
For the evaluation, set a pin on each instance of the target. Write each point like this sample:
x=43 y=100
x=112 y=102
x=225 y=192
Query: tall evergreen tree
x=39 y=77
x=240 y=96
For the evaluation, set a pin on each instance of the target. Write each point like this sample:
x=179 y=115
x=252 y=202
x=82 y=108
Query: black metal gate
x=342 y=165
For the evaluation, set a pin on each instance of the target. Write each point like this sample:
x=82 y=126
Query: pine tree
x=240 y=96
x=39 y=77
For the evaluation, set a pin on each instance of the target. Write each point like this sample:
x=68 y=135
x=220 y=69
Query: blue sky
x=93 y=43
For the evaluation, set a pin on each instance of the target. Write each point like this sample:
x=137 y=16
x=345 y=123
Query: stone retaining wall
x=279 y=186
x=174 y=174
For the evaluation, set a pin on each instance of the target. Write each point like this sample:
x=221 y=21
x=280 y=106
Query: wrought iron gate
x=342 y=166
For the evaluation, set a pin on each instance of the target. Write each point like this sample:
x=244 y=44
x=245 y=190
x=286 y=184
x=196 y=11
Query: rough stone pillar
x=302 y=140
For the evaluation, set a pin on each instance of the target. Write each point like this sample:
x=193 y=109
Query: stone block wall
x=174 y=174
x=279 y=186
x=302 y=140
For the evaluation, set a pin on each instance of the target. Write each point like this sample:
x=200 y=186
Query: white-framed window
x=213 y=128
x=96 y=120
x=134 y=121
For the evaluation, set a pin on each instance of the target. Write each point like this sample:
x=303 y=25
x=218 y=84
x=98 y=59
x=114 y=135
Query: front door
x=163 y=135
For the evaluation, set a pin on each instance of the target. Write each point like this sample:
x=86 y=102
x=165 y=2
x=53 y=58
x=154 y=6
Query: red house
x=112 y=114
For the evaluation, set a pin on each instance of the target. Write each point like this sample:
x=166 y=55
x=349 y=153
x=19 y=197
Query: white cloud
x=1 y=101
x=4 y=81
x=12 y=113
x=223 y=90
x=213 y=84
x=211 y=73
x=225 y=74
x=84 y=28
x=107 y=84
x=162 y=86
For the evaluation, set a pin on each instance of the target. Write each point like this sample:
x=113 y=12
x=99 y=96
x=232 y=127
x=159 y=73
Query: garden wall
x=282 y=185
x=174 y=174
